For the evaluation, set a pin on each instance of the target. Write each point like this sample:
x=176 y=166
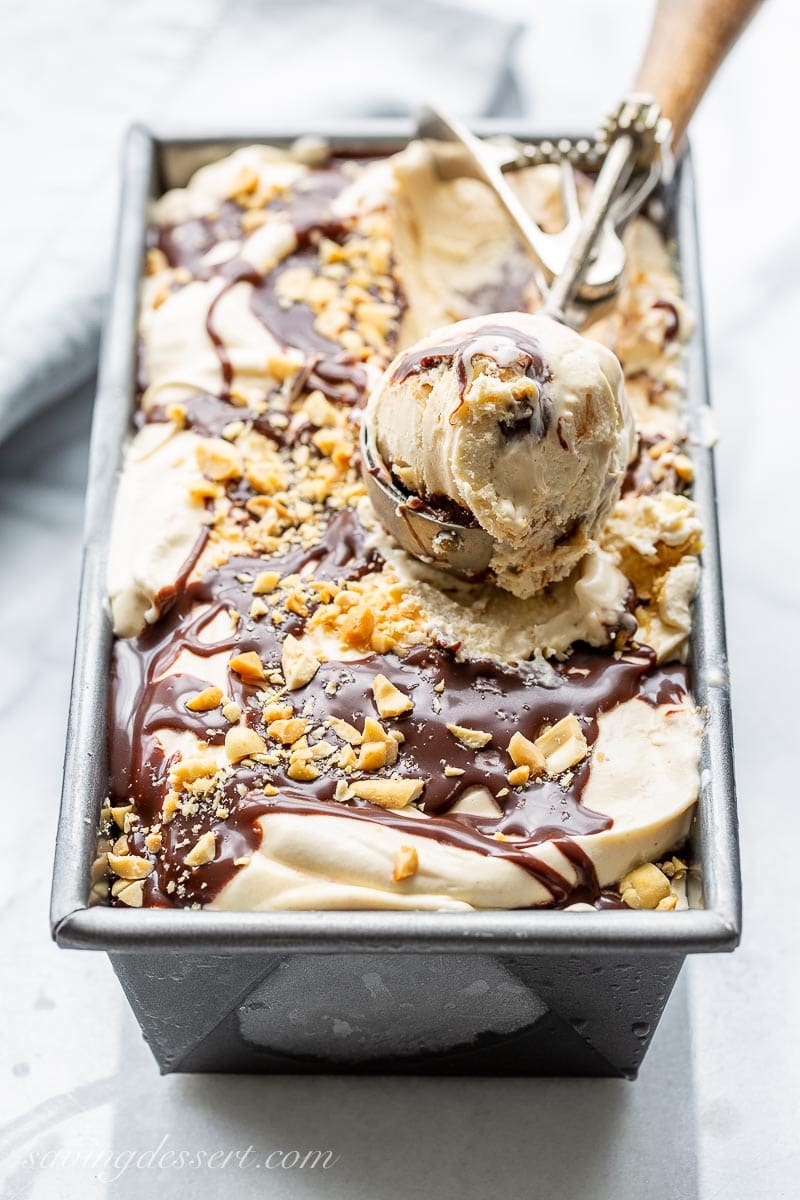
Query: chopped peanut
x=474 y=739
x=302 y=771
x=287 y=731
x=299 y=664
x=644 y=887
x=373 y=730
x=248 y=667
x=265 y=582
x=194 y=766
x=347 y=758
x=203 y=850
x=344 y=730
x=218 y=460
x=130 y=866
x=372 y=756
x=389 y=700
x=388 y=793
x=563 y=745
x=525 y=754
x=119 y=813
x=243 y=742
x=406 y=863
x=204 y=701
x=132 y=894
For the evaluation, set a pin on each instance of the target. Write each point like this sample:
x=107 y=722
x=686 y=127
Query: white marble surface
x=714 y=1112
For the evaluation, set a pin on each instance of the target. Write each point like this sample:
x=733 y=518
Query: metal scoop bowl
x=464 y=550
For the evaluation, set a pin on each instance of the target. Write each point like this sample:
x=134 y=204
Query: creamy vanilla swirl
x=519 y=423
x=302 y=717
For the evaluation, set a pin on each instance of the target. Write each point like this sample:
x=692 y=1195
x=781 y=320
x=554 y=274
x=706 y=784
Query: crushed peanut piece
x=132 y=894
x=204 y=490
x=203 y=850
x=243 y=742
x=287 y=731
x=524 y=753
x=372 y=756
x=344 y=730
x=562 y=745
x=299 y=664
x=474 y=739
x=406 y=863
x=302 y=771
x=347 y=758
x=277 y=711
x=282 y=366
x=248 y=667
x=644 y=887
x=683 y=468
x=170 y=806
x=218 y=460
x=673 y=868
x=130 y=866
x=389 y=700
x=388 y=793
x=265 y=582
x=520 y=775
x=373 y=730
x=204 y=701
x=192 y=767
x=322 y=749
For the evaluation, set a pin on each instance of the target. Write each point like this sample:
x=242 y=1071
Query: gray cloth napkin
x=76 y=74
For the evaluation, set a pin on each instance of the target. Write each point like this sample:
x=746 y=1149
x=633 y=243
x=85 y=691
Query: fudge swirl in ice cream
x=522 y=425
x=301 y=715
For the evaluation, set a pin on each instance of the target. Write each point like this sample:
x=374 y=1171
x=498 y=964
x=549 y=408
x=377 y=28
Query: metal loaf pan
x=519 y=993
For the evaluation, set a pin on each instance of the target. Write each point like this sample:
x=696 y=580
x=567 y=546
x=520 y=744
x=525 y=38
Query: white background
x=714 y=1112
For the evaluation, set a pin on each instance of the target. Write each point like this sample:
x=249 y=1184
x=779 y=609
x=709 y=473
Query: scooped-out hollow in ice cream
x=517 y=424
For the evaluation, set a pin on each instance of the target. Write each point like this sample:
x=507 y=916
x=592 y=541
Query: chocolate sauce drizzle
x=328 y=368
x=476 y=694
x=532 y=418
x=673 y=320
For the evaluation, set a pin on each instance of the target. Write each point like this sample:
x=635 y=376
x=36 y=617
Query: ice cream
x=303 y=716
x=518 y=422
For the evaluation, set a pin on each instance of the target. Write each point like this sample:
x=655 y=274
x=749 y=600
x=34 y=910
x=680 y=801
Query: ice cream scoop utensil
x=457 y=152
x=581 y=266
x=688 y=41
x=585 y=259
x=464 y=550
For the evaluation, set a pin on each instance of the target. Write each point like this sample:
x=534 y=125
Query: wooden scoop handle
x=688 y=41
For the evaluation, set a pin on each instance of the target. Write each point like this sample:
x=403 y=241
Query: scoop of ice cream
x=514 y=422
